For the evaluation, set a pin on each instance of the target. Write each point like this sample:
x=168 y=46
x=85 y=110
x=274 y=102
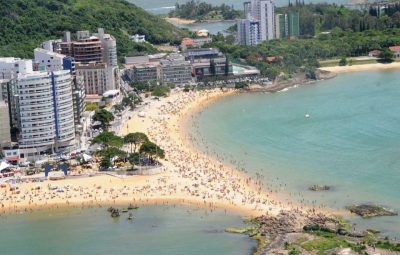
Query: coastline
x=179 y=21
x=361 y=68
x=189 y=179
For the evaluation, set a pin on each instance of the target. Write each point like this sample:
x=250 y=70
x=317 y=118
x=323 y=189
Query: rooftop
x=51 y=53
x=394 y=48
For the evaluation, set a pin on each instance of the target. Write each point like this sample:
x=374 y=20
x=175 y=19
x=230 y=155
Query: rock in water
x=368 y=211
x=319 y=188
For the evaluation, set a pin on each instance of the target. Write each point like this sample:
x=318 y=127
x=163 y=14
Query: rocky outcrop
x=319 y=187
x=368 y=211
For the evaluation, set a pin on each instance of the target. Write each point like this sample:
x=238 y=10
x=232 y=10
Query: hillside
x=24 y=24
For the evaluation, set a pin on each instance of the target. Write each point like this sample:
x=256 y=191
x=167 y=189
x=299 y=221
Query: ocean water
x=155 y=230
x=351 y=141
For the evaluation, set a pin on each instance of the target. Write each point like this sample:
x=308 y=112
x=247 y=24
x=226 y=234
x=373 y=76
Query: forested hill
x=24 y=24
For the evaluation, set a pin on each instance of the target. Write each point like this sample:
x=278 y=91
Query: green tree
x=108 y=139
x=160 y=91
x=152 y=151
x=386 y=56
x=134 y=158
x=105 y=163
x=135 y=139
x=104 y=117
x=343 y=62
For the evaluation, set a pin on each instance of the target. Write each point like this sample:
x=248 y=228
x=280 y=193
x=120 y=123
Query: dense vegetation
x=203 y=11
x=316 y=18
x=112 y=148
x=349 y=33
x=24 y=24
x=295 y=55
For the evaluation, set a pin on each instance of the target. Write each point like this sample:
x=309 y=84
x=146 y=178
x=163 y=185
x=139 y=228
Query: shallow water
x=351 y=140
x=155 y=230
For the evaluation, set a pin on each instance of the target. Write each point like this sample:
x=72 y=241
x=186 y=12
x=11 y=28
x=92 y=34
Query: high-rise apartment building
x=293 y=24
x=281 y=26
x=94 y=51
x=259 y=24
x=287 y=25
x=248 y=32
x=50 y=61
x=11 y=67
x=267 y=19
x=45 y=113
x=5 y=135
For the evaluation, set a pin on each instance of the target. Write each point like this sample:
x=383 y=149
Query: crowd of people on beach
x=191 y=177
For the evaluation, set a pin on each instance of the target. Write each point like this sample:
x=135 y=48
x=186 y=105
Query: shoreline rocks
x=369 y=211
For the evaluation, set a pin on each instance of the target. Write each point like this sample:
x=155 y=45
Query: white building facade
x=45 y=113
x=49 y=60
x=259 y=24
x=11 y=67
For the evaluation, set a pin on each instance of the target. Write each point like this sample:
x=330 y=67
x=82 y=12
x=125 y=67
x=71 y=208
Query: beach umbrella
x=4 y=165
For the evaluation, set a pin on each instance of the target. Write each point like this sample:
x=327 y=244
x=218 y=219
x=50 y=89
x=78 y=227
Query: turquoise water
x=351 y=140
x=155 y=230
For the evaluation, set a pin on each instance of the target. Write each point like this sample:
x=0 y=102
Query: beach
x=179 y=21
x=361 y=68
x=189 y=177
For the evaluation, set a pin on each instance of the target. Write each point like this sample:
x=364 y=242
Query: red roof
x=375 y=51
x=395 y=48
x=270 y=59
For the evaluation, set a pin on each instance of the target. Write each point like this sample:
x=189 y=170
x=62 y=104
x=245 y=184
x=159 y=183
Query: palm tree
x=135 y=139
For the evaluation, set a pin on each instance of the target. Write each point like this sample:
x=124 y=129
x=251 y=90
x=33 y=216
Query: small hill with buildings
x=26 y=23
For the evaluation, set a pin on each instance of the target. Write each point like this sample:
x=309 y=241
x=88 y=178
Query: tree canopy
x=108 y=139
x=104 y=117
x=151 y=150
x=135 y=139
x=27 y=23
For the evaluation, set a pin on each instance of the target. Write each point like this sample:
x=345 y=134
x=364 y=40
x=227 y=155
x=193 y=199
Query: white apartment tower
x=267 y=20
x=248 y=32
x=260 y=18
x=45 y=113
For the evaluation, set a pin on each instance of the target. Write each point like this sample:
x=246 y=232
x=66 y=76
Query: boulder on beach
x=368 y=211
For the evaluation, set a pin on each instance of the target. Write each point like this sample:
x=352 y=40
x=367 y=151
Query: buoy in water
x=307 y=115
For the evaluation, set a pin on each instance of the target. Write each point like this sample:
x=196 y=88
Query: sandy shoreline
x=190 y=177
x=361 y=68
x=180 y=21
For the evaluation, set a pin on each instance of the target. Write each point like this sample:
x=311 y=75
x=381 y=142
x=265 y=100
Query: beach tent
x=47 y=169
x=4 y=165
x=86 y=157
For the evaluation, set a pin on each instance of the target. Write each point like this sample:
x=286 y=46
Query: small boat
x=307 y=115
x=124 y=210
x=130 y=217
